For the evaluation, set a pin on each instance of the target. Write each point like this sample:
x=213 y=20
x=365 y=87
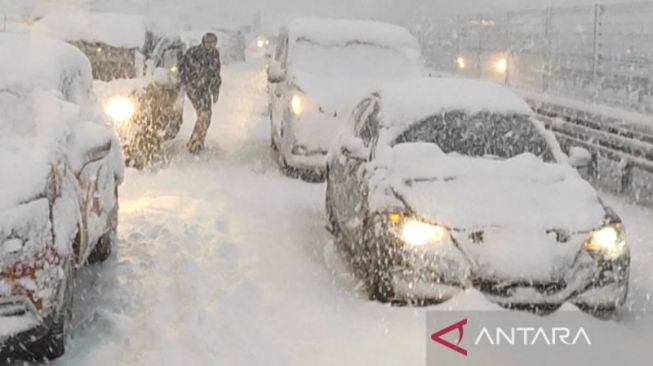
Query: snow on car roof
x=335 y=32
x=406 y=102
x=39 y=62
x=114 y=29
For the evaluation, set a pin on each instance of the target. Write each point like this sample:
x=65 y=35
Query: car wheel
x=379 y=286
x=53 y=345
x=105 y=244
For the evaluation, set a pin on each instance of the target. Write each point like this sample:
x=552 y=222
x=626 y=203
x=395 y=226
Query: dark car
x=438 y=185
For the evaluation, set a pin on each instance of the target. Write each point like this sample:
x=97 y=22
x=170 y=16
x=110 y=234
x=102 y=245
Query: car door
x=354 y=188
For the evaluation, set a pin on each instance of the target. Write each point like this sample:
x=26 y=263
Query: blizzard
x=222 y=260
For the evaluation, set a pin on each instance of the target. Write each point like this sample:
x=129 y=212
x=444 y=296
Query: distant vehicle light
x=501 y=65
x=120 y=109
x=297 y=104
x=460 y=61
x=174 y=69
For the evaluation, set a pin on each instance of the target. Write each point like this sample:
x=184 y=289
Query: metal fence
x=599 y=53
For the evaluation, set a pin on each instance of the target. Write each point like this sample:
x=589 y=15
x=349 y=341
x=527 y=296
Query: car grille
x=13 y=308
x=506 y=288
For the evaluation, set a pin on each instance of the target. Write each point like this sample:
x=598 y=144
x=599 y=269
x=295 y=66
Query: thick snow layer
x=34 y=61
x=114 y=29
x=222 y=260
x=340 y=32
x=33 y=128
x=407 y=102
x=466 y=193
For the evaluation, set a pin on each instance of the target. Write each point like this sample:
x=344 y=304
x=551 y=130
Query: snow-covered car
x=438 y=185
x=321 y=68
x=113 y=42
x=135 y=71
x=231 y=43
x=61 y=167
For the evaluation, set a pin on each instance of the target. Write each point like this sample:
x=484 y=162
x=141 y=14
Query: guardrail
x=622 y=151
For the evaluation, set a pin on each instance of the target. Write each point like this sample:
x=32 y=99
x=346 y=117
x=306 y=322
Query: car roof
x=410 y=101
x=339 y=32
x=43 y=63
x=114 y=29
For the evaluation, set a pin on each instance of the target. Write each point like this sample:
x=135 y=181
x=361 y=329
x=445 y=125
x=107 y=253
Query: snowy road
x=222 y=260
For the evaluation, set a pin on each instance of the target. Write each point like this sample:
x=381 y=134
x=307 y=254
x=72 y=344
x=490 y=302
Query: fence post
x=548 y=37
x=479 y=50
x=596 y=57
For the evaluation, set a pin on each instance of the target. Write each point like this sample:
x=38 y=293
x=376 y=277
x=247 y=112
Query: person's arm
x=217 y=82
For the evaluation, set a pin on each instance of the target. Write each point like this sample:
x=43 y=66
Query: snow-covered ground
x=222 y=260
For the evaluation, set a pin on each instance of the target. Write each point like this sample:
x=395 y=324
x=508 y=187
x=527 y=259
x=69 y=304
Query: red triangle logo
x=437 y=336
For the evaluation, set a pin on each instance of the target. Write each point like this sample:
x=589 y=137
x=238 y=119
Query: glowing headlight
x=501 y=65
x=417 y=233
x=607 y=241
x=174 y=69
x=260 y=43
x=121 y=109
x=297 y=104
x=460 y=61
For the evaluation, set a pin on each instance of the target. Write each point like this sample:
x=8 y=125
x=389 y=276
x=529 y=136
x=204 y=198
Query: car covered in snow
x=321 y=68
x=135 y=69
x=438 y=185
x=61 y=167
x=231 y=43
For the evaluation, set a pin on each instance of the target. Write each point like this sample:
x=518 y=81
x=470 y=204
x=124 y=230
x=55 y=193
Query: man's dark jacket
x=199 y=70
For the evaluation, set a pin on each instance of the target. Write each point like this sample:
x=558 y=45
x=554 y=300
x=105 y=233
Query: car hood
x=33 y=130
x=520 y=207
x=334 y=95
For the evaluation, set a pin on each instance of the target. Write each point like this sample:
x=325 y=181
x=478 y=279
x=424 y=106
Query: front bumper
x=21 y=325
x=444 y=272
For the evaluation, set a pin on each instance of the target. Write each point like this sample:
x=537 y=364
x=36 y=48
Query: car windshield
x=490 y=135
x=108 y=62
x=354 y=59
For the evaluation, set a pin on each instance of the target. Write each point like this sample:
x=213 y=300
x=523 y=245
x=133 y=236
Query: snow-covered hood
x=33 y=129
x=516 y=208
x=334 y=95
x=467 y=193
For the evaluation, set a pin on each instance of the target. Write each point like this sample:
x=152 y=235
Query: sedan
x=439 y=185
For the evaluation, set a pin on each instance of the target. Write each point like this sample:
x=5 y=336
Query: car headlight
x=297 y=104
x=260 y=43
x=174 y=70
x=607 y=241
x=11 y=246
x=417 y=233
x=120 y=109
x=501 y=65
x=460 y=62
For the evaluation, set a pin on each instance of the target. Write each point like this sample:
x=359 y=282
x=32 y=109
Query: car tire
x=105 y=244
x=53 y=344
x=379 y=286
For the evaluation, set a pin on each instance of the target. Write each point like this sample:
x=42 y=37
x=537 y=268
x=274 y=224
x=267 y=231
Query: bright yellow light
x=461 y=62
x=260 y=43
x=120 y=109
x=297 y=104
x=99 y=50
x=417 y=233
x=394 y=217
x=607 y=241
x=174 y=69
x=501 y=65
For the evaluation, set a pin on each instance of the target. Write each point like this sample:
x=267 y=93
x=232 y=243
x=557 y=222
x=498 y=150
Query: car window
x=483 y=134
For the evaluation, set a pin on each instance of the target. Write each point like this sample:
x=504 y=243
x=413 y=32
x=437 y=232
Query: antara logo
x=437 y=336
x=515 y=336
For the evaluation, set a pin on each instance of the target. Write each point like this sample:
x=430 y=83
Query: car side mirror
x=354 y=148
x=87 y=150
x=579 y=157
x=275 y=73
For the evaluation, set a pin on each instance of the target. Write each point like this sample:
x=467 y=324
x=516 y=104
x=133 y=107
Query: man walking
x=199 y=72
